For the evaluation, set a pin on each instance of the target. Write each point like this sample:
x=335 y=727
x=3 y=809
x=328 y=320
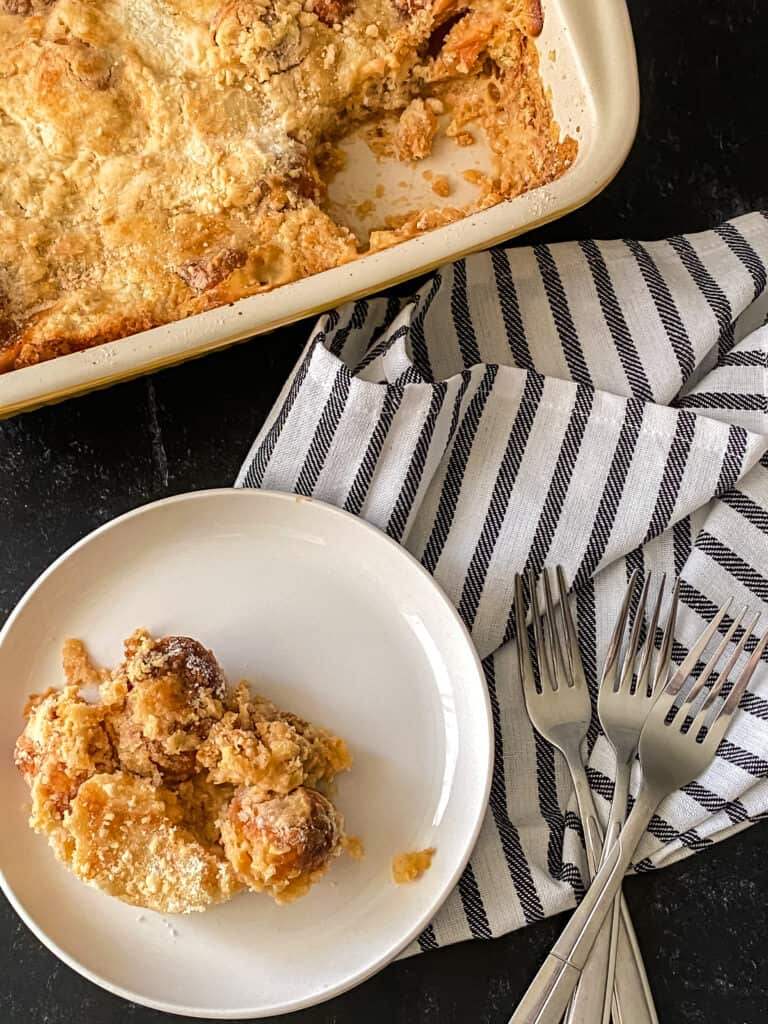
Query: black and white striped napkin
x=599 y=404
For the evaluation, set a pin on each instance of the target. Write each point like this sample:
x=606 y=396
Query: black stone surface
x=701 y=155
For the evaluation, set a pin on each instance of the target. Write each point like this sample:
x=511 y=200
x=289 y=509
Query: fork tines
x=698 y=705
x=683 y=704
x=619 y=673
x=556 y=641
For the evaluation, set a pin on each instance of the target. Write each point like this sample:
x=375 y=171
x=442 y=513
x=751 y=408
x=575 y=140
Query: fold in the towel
x=599 y=404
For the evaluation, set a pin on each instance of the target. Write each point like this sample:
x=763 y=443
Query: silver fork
x=627 y=690
x=623 y=708
x=560 y=711
x=678 y=741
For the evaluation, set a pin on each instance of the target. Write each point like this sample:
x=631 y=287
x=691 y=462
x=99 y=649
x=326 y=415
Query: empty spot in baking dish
x=370 y=190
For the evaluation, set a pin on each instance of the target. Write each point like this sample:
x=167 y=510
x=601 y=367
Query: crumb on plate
x=79 y=670
x=408 y=867
x=354 y=847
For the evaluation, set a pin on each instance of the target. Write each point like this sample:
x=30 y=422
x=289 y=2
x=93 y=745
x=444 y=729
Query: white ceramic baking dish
x=587 y=59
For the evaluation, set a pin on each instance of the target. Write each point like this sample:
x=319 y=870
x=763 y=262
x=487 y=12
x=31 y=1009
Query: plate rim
x=392 y=952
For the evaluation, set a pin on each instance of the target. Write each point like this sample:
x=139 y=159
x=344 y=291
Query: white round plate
x=331 y=619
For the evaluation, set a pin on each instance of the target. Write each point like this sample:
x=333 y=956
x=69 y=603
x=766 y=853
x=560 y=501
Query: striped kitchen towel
x=599 y=404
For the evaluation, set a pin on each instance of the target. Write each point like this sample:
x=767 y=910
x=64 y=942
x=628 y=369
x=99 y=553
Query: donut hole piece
x=282 y=845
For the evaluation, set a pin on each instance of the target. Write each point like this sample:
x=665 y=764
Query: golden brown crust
x=64 y=742
x=128 y=838
x=531 y=18
x=161 y=704
x=269 y=751
x=159 y=158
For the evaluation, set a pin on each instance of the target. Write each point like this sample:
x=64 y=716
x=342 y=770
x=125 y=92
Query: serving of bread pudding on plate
x=174 y=791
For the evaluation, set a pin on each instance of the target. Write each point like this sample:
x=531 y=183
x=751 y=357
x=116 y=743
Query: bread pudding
x=174 y=791
x=160 y=158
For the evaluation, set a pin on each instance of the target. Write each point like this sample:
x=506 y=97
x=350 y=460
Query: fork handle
x=626 y=970
x=629 y=978
x=547 y=996
x=550 y=990
x=589 y=998
x=590 y=994
x=630 y=1000
x=630 y=997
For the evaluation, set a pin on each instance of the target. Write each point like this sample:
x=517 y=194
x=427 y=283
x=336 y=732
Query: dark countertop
x=700 y=156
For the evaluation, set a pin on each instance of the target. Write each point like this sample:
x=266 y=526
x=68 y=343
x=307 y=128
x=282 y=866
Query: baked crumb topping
x=174 y=792
x=160 y=158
